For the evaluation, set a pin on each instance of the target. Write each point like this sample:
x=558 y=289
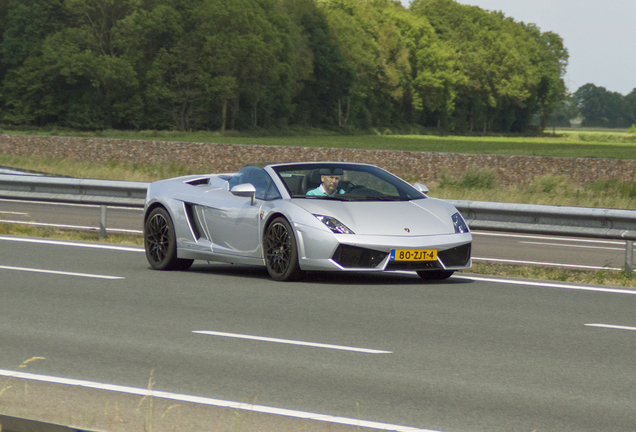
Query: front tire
x=435 y=274
x=281 y=251
x=160 y=242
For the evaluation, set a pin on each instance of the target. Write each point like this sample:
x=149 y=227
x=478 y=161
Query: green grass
x=482 y=185
x=475 y=185
x=509 y=146
x=587 y=277
x=113 y=170
x=564 y=143
x=72 y=235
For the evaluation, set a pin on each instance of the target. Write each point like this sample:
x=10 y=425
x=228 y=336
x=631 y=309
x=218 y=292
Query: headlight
x=459 y=224
x=334 y=224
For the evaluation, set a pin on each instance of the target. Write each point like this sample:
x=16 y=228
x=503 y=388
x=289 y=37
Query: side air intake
x=193 y=221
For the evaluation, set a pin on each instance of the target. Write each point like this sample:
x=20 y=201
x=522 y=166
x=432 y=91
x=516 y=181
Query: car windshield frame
x=358 y=182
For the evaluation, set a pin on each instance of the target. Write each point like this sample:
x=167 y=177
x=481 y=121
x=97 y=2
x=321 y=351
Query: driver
x=329 y=178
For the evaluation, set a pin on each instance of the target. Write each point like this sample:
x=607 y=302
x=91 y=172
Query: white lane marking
x=73 y=244
x=545 y=264
x=547 y=285
x=610 y=326
x=14 y=213
x=571 y=245
x=62 y=273
x=214 y=402
x=77 y=227
x=569 y=239
x=292 y=342
x=564 y=239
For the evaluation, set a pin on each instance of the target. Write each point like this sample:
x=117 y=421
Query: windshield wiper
x=339 y=197
x=347 y=197
x=392 y=198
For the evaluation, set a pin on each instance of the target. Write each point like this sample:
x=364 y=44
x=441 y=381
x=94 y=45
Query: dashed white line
x=61 y=273
x=292 y=342
x=214 y=402
x=610 y=326
x=14 y=213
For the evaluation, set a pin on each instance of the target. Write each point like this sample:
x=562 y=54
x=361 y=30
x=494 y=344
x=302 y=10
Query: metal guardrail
x=516 y=218
x=553 y=220
x=104 y=193
x=72 y=190
x=549 y=219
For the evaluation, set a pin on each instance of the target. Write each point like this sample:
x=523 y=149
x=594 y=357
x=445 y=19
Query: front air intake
x=455 y=257
x=357 y=257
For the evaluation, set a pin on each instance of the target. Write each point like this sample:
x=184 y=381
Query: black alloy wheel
x=281 y=251
x=161 y=243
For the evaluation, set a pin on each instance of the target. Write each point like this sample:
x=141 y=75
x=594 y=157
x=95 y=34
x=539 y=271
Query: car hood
x=393 y=218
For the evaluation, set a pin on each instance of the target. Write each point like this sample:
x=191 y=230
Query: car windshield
x=344 y=182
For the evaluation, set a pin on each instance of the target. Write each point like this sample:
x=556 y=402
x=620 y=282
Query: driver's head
x=330 y=182
x=330 y=179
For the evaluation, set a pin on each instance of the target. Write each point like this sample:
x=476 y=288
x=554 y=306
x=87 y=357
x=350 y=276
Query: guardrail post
x=102 y=222
x=629 y=256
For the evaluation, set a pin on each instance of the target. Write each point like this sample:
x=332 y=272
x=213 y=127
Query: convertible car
x=294 y=217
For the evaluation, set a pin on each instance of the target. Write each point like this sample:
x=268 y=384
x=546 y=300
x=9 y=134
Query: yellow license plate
x=413 y=255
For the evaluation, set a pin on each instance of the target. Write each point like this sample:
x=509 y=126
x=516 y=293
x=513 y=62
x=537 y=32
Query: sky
x=600 y=36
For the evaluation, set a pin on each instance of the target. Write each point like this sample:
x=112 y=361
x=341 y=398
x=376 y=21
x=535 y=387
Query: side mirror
x=421 y=188
x=245 y=190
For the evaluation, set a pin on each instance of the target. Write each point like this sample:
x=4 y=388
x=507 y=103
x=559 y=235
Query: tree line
x=240 y=64
x=597 y=107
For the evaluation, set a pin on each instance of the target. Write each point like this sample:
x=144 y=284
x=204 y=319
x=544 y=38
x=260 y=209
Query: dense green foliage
x=596 y=107
x=602 y=108
x=240 y=64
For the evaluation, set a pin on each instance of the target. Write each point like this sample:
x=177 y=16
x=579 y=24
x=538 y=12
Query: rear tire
x=435 y=274
x=281 y=251
x=160 y=242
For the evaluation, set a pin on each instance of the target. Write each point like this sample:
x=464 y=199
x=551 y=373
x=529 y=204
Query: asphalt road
x=466 y=354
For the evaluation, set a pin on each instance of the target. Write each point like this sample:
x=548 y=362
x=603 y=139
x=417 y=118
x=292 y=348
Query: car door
x=234 y=222
x=233 y=225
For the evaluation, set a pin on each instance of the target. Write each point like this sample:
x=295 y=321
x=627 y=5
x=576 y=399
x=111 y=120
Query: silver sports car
x=295 y=217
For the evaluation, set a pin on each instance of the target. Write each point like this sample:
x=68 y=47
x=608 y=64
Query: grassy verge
x=72 y=235
x=482 y=185
x=129 y=171
x=565 y=143
x=587 y=277
x=476 y=185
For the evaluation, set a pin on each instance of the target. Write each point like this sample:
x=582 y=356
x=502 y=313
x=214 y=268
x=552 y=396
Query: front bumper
x=320 y=250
